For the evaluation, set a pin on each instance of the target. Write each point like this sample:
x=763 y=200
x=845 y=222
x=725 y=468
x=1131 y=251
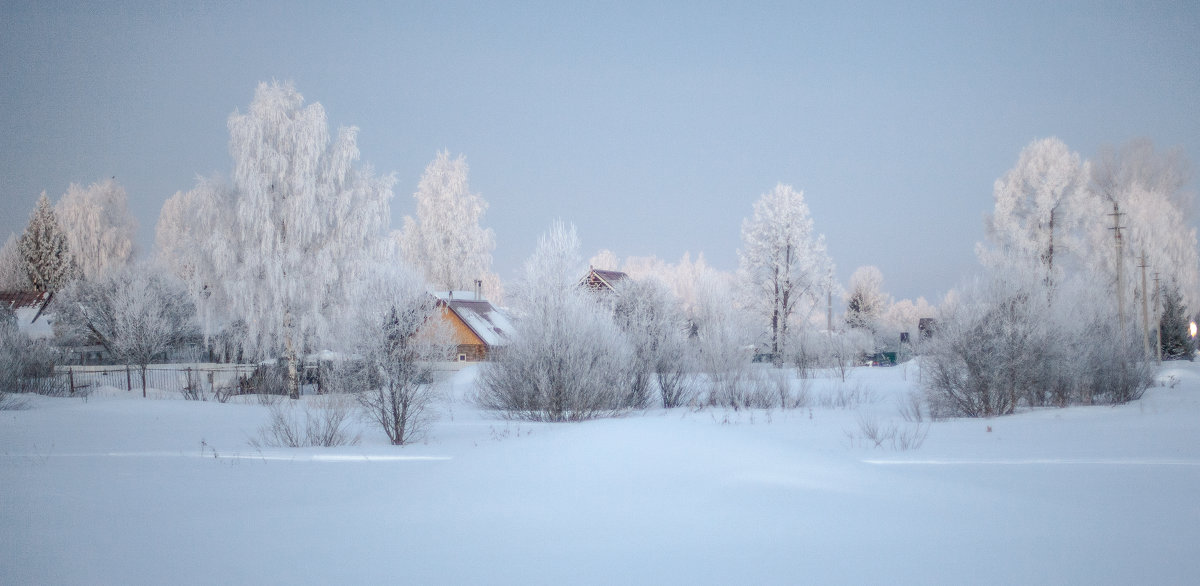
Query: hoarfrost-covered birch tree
x=1147 y=187
x=305 y=217
x=45 y=253
x=1040 y=206
x=783 y=263
x=99 y=228
x=194 y=238
x=445 y=240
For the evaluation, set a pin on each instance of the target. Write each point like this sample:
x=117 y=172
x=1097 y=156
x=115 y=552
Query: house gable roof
x=489 y=324
x=601 y=280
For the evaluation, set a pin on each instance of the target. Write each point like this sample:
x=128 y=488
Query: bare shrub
x=848 y=396
x=888 y=435
x=12 y=402
x=910 y=437
x=322 y=422
x=910 y=407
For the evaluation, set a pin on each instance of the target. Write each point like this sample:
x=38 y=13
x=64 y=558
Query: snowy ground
x=125 y=490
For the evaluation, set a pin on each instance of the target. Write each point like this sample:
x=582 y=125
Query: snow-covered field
x=125 y=490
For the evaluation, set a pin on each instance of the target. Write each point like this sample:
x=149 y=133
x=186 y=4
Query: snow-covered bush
x=1004 y=345
x=839 y=351
x=26 y=366
x=650 y=317
x=568 y=361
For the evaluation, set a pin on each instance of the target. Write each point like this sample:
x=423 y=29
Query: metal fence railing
x=199 y=379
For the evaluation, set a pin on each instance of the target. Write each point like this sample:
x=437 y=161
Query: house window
x=462 y=357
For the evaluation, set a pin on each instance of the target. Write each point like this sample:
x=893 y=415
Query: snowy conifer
x=12 y=266
x=45 y=252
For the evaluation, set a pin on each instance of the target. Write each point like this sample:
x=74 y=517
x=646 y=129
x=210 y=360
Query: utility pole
x=1116 y=215
x=1158 y=318
x=1145 y=302
x=829 y=314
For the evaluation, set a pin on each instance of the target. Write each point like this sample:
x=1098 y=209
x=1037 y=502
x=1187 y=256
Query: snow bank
x=124 y=490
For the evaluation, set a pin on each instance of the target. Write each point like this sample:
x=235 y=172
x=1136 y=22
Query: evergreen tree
x=1174 y=326
x=44 y=251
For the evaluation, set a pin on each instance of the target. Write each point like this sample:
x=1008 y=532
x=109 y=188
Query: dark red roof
x=18 y=299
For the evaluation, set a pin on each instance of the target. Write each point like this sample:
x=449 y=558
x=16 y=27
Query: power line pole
x=1116 y=216
x=1158 y=318
x=1145 y=302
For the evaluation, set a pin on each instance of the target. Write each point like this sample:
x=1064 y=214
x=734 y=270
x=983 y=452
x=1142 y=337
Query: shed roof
x=491 y=324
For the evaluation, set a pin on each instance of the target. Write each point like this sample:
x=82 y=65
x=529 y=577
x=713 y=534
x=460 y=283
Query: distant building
x=602 y=281
x=927 y=326
x=477 y=327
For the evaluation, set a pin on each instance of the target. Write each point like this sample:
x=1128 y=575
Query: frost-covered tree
x=99 y=228
x=136 y=312
x=12 y=266
x=1147 y=187
x=783 y=263
x=865 y=299
x=905 y=316
x=194 y=239
x=445 y=239
x=305 y=218
x=45 y=253
x=650 y=317
x=605 y=259
x=394 y=328
x=568 y=361
x=1173 y=326
x=1040 y=205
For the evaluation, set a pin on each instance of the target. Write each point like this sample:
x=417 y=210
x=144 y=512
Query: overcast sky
x=652 y=128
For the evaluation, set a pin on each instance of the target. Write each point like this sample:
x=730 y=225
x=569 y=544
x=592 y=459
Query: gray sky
x=653 y=128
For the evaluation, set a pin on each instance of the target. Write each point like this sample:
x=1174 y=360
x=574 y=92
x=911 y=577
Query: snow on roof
x=492 y=325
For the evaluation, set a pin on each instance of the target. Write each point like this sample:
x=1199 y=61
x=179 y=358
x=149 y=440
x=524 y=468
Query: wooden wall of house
x=469 y=345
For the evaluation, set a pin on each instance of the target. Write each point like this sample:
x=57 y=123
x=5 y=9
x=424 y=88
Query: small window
x=462 y=357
